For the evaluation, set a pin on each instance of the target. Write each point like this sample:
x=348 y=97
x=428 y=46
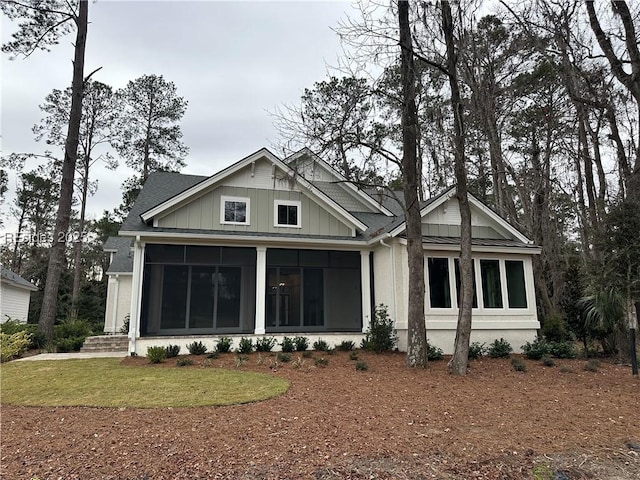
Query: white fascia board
x=234 y=240
x=118 y=273
x=342 y=180
x=11 y=283
x=499 y=220
x=205 y=184
x=479 y=248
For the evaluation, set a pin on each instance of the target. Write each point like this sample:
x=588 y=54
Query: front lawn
x=106 y=383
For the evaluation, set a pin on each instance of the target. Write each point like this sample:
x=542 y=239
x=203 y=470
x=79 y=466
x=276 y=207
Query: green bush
x=476 y=350
x=500 y=349
x=547 y=361
x=302 y=343
x=184 y=362
x=346 y=346
x=320 y=345
x=72 y=328
x=37 y=338
x=381 y=335
x=563 y=350
x=434 y=353
x=197 y=348
x=362 y=366
x=224 y=345
x=283 y=357
x=245 y=346
x=537 y=349
x=156 y=354
x=554 y=329
x=518 y=365
x=321 y=362
x=172 y=351
x=69 y=344
x=213 y=355
x=353 y=356
x=265 y=344
x=13 y=345
x=592 y=365
x=288 y=344
x=124 y=329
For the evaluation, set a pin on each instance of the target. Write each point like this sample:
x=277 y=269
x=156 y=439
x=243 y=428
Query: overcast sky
x=232 y=61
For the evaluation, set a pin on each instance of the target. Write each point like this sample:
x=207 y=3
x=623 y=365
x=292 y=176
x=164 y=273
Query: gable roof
x=333 y=187
x=15 y=280
x=399 y=226
x=207 y=182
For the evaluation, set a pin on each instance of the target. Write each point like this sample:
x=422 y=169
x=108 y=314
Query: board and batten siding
x=14 y=303
x=204 y=213
x=444 y=221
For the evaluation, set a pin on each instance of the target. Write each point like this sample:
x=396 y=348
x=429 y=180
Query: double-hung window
x=234 y=210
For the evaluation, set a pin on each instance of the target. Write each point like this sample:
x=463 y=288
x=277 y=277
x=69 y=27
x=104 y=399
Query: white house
x=15 y=294
x=288 y=247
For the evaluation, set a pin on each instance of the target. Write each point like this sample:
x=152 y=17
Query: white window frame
x=290 y=203
x=247 y=202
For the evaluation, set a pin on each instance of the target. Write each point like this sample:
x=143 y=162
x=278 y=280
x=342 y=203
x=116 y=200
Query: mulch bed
x=335 y=422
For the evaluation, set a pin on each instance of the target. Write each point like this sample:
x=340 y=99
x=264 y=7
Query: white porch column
x=115 y=304
x=365 y=281
x=136 y=294
x=261 y=289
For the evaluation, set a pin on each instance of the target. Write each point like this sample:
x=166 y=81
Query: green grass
x=106 y=383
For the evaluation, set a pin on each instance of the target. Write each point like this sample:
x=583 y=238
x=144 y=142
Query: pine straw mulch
x=334 y=422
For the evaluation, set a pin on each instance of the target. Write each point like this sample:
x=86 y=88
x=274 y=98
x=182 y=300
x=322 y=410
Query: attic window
x=234 y=210
x=287 y=213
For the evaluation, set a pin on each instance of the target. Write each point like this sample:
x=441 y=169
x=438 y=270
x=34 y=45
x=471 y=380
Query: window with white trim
x=496 y=281
x=234 y=210
x=287 y=213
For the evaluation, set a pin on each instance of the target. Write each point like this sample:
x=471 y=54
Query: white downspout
x=393 y=274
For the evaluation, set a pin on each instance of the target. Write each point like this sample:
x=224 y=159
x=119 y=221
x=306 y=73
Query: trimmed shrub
x=353 y=356
x=500 y=349
x=554 y=329
x=224 y=345
x=346 y=346
x=184 y=362
x=536 y=349
x=156 y=354
x=547 y=361
x=283 y=357
x=172 y=351
x=265 y=344
x=320 y=345
x=362 y=366
x=213 y=355
x=302 y=343
x=288 y=344
x=245 y=346
x=476 y=350
x=592 y=365
x=434 y=353
x=381 y=335
x=563 y=350
x=518 y=365
x=197 y=348
x=70 y=344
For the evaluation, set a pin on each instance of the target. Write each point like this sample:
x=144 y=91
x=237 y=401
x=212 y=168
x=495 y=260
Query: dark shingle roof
x=16 y=280
x=122 y=261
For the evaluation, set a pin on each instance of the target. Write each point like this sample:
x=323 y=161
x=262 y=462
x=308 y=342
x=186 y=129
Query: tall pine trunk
x=459 y=360
x=416 y=329
x=57 y=252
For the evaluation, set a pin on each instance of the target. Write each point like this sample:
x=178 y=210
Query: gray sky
x=232 y=61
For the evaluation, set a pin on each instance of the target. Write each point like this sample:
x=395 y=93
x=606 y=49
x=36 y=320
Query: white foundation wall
x=210 y=341
x=118 y=304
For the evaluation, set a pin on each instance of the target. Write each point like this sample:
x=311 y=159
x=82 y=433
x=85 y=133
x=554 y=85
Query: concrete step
x=106 y=343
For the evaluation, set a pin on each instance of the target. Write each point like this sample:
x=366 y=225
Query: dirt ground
x=334 y=422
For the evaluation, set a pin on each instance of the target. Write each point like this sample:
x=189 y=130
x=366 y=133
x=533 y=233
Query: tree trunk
x=77 y=269
x=416 y=334
x=460 y=359
x=57 y=253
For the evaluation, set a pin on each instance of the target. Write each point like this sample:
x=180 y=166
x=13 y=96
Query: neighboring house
x=15 y=294
x=289 y=247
